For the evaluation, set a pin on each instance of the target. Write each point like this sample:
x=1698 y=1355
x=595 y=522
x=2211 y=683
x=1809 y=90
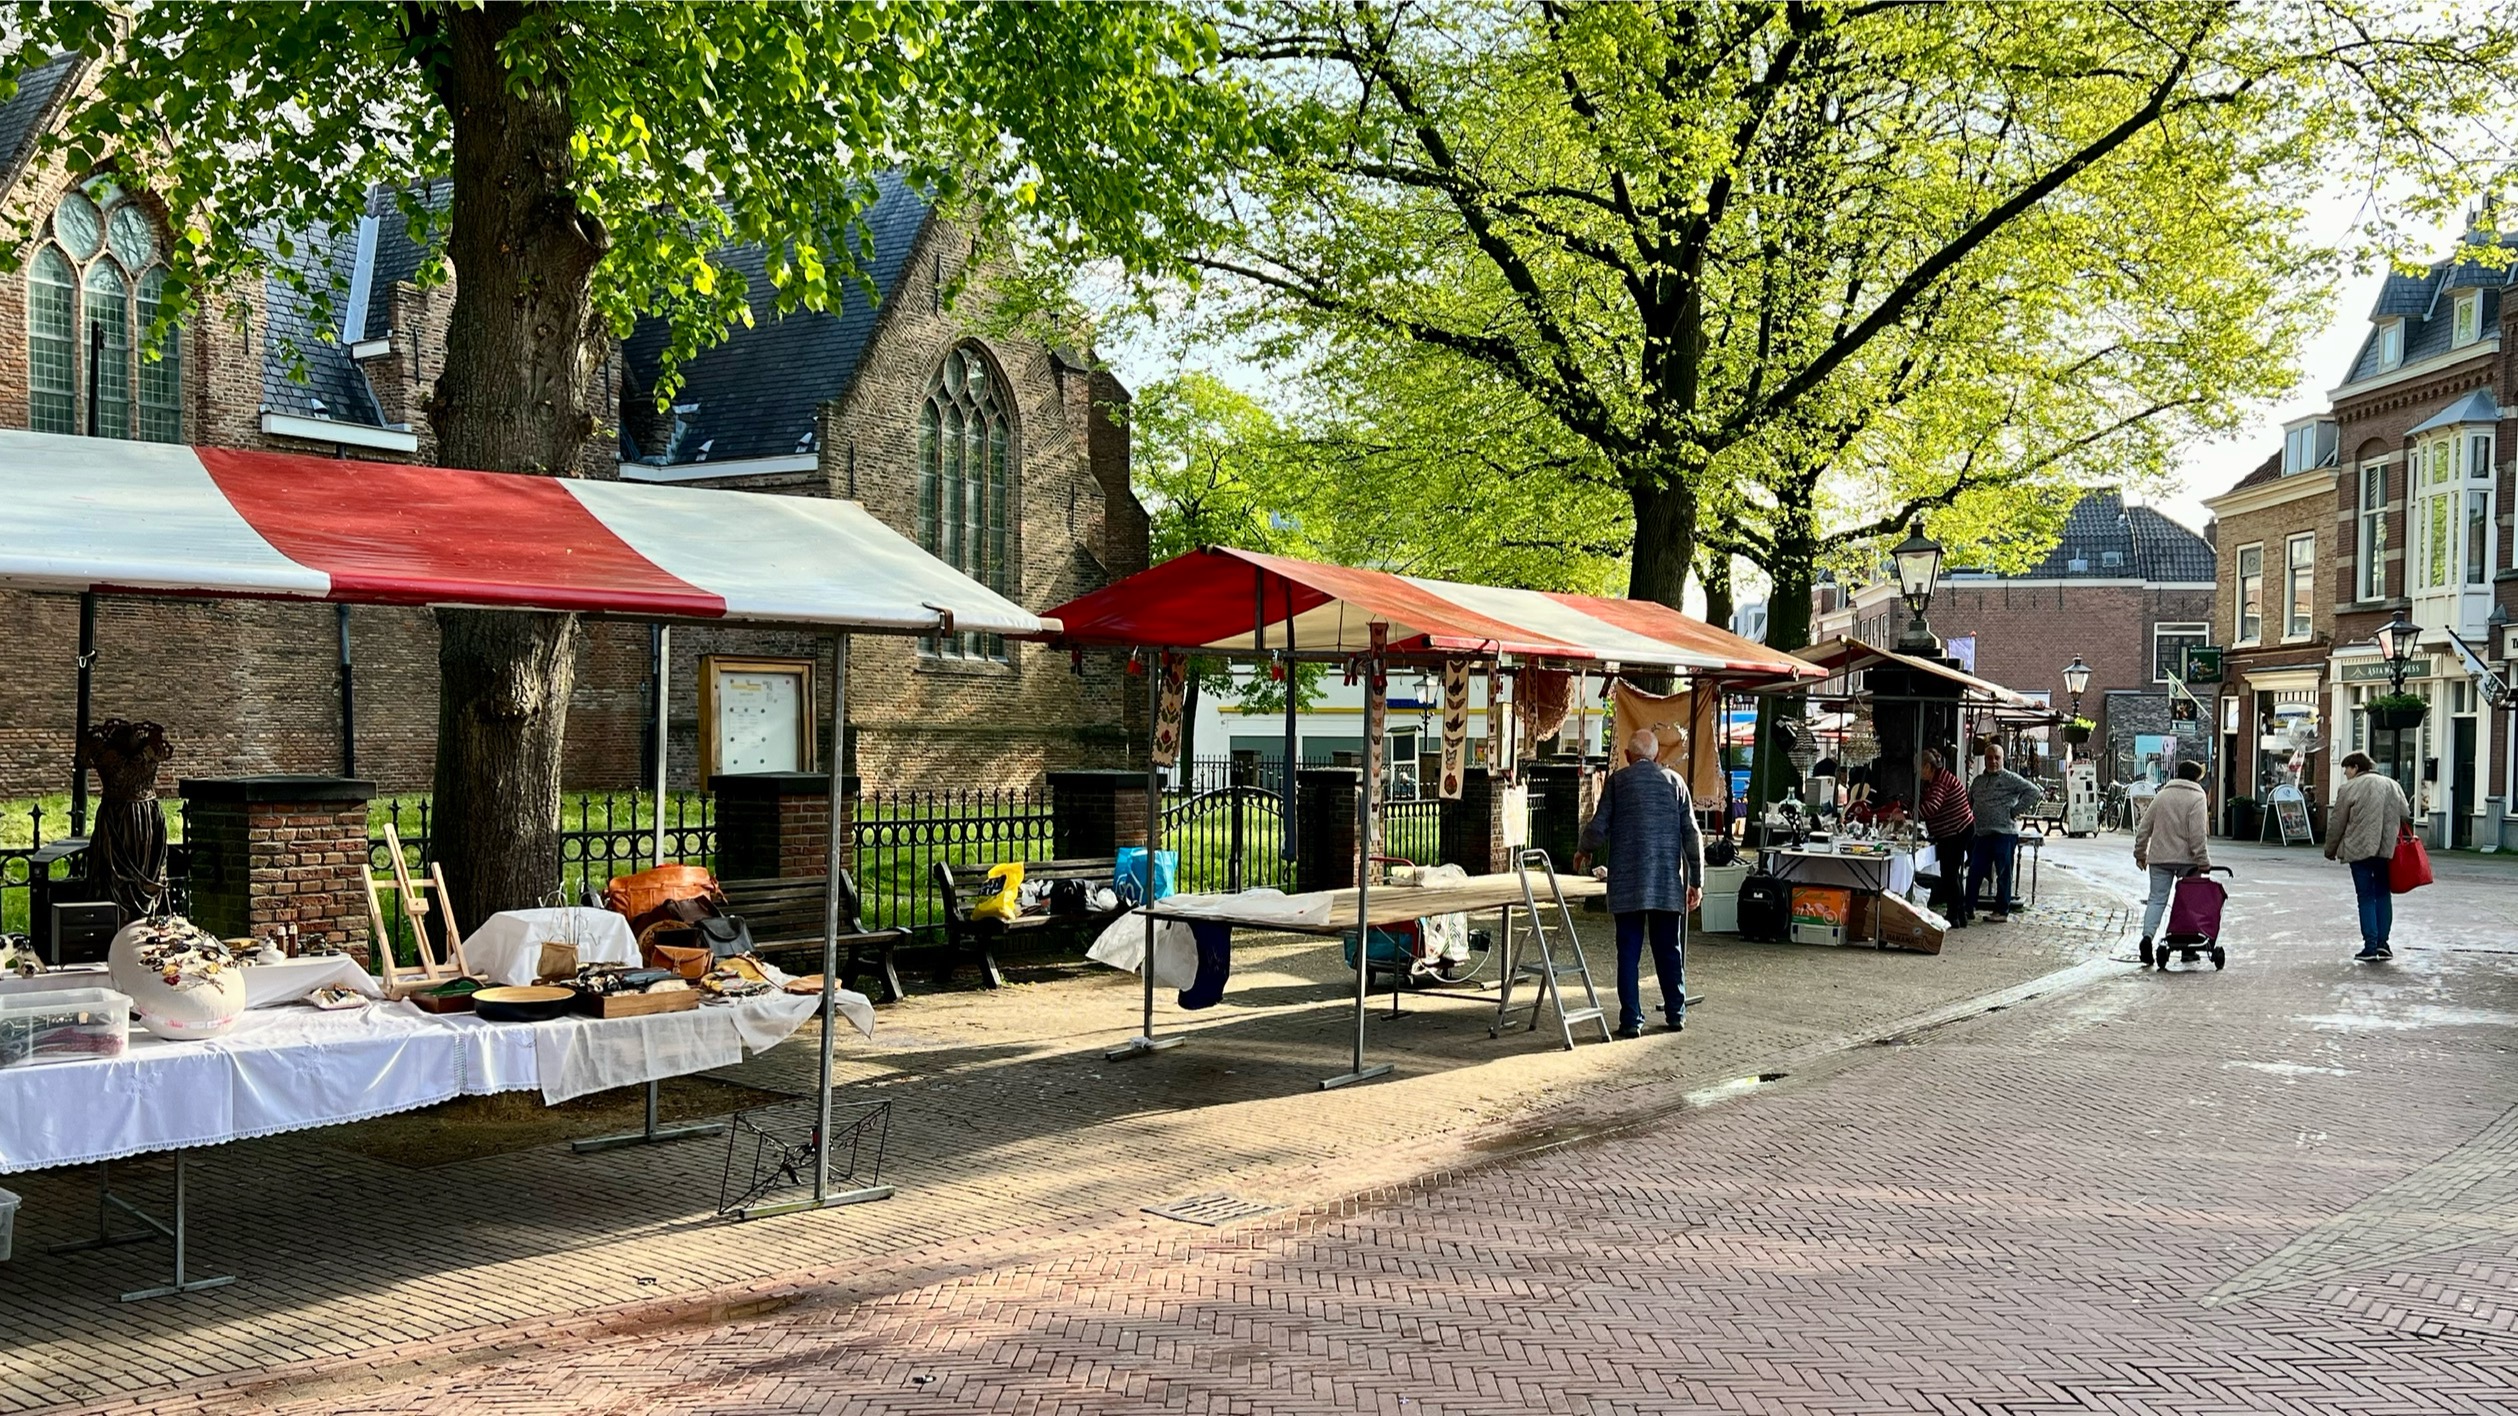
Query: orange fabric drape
x=1686 y=722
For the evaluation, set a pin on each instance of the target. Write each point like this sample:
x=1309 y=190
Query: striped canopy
x=107 y=515
x=1223 y=599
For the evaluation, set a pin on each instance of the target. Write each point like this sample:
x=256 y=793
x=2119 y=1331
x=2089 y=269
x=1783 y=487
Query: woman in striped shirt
x=1950 y=821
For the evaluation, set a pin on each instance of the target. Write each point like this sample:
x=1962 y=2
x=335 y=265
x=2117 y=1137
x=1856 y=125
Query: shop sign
x=2368 y=670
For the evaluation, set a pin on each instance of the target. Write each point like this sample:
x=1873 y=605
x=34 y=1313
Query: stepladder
x=1541 y=952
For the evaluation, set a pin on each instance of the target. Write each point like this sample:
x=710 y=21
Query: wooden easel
x=416 y=906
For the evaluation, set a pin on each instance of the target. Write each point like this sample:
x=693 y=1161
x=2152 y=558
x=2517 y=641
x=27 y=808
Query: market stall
x=1539 y=651
x=104 y=517
x=1853 y=833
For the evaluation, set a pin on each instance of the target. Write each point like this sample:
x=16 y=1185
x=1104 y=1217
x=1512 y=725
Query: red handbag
x=2411 y=868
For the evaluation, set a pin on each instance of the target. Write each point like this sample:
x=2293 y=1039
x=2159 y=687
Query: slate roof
x=332 y=387
x=2477 y=407
x=2269 y=470
x=2430 y=318
x=398 y=257
x=755 y=395
x=2147 y=545
x=36 y=90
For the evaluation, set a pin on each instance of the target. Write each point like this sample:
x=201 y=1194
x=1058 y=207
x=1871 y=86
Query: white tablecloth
x=1892 y=874
x=507 y=948
x=294 y=1069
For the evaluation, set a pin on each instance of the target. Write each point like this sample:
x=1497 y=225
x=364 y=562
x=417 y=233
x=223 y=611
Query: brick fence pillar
x=776 y=825
x=279 y=849
x=1325 y=803
x=1093 y=813
x=1473 y=835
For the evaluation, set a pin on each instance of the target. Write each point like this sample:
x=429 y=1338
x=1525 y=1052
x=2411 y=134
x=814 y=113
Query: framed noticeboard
x=2290 y=812
x=755 y=715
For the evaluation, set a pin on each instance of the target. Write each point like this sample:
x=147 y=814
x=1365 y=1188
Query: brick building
x=1005 y=457
x=2273 y=607
x=2424 y=423
x=2125 y=588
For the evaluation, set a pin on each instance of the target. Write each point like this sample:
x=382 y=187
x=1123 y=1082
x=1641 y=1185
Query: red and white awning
x=1217 y=597
x=106 y=515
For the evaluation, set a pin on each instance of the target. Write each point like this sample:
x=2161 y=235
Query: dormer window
x=2469 y=326
x=2308 y=445
x=2390 y=344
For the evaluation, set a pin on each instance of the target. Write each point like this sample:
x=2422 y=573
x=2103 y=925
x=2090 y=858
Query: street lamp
x=2395 y=640
x=1918 y=559
x=2076 y=681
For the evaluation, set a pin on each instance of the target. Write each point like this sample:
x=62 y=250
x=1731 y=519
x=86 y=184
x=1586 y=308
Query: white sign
x=758 y=721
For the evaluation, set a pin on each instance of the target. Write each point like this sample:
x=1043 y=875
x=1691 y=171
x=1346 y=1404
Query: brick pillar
x=1473 y=827
x=776 y=825
x=1093 y=813
x=1325 y=802
x=279 y=850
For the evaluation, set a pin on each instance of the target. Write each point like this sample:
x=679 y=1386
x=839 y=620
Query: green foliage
x=695 y=126
x=1787 y=274
x=2398 y=703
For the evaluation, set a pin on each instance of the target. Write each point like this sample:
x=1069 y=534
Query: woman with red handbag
x=2363 y=831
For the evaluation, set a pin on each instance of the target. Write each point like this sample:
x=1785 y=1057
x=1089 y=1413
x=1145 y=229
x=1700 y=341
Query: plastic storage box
x=63 y=1025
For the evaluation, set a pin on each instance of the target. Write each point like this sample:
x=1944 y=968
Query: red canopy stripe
x=378 y=530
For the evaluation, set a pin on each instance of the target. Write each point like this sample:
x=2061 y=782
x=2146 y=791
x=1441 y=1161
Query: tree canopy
x=1759 y=275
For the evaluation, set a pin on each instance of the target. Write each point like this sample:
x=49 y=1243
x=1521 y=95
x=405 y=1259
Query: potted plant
x=2078 y=731
x=2398 y=711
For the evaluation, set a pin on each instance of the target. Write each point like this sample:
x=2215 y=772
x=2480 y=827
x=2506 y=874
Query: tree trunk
x=513 y=397
x=1790 y=572
x=1665 y=543
x=1719 y=601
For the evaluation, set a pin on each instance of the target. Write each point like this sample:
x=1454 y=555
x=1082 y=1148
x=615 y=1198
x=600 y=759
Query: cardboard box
x=1898 y=924
x=1822 y=904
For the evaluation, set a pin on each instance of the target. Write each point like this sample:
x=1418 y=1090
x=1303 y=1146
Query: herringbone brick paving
x=2282 y=1188
x=1012 y=1138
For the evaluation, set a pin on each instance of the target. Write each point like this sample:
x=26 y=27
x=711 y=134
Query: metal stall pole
x=650 y=1132
x=664 y=697
x=823 y=1196
x=78 y=740
x=1145 y=1041
x=1364 y=813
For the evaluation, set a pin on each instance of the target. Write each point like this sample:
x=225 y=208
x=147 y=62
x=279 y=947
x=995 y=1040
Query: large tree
x=1600 y=214
x=599 y=160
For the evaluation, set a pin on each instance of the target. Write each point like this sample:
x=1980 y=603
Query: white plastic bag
x=1122 y=946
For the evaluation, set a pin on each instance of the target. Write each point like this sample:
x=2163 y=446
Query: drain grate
x=1212 y=1209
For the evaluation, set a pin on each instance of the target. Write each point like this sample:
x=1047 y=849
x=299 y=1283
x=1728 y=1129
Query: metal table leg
x=106 y=1203
x=181 y=1283
x=652 y=1133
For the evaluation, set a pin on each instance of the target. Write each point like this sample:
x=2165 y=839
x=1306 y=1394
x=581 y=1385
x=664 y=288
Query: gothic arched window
x=966 y=486
x=92 y=291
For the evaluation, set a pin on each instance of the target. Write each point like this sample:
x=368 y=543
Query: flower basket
x=2398 y=711
x=2075 y=734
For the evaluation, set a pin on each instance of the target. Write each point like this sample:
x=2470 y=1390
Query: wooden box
x=638 y=1005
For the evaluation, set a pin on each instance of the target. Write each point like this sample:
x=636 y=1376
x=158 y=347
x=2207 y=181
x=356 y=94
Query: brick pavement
x=1013 y=1139
x=2280 y=1188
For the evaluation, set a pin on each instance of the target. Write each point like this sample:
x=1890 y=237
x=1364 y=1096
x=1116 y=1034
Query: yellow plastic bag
x=1008 y=901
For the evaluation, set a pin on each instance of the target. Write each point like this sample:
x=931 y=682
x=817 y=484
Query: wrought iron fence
x=36 y=866
x=1229 y=838
x=899 y=837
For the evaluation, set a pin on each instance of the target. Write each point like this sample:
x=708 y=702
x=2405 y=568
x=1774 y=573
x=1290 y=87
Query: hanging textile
x=1500 y=733
x=1167 y=713
x=1455 y=726
x=1686 y=724
x=1376 y=714
x=1545 y=700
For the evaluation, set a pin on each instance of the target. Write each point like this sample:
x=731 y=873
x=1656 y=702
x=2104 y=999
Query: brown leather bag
x=671 y=944
x=644 y=898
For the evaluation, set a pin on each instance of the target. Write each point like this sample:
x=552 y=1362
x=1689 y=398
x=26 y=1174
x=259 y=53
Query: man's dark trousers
x=1668 y=965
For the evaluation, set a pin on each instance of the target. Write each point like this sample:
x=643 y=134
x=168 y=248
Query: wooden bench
x=785 y=917
x=963 y=885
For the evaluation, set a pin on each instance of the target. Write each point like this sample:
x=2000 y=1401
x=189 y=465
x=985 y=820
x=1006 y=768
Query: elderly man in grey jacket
x=1656 y=875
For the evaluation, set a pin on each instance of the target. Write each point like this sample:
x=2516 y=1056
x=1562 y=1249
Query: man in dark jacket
x=1656 y=875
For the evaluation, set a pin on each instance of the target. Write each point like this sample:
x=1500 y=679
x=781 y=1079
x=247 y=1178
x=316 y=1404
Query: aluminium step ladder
x=1538 y=962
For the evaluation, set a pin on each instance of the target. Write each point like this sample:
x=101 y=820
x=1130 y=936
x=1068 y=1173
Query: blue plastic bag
x=1129 y=878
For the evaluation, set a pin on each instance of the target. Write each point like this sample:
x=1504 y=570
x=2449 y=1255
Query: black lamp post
x=2076 y=681
x=2395 y=640
x=1918 y=560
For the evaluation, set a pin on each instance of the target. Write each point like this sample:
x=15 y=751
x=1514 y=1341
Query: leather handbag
x=725 y=935
x=2411 y=868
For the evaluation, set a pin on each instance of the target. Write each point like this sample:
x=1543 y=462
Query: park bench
x=785 y=917
x=964 y=885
